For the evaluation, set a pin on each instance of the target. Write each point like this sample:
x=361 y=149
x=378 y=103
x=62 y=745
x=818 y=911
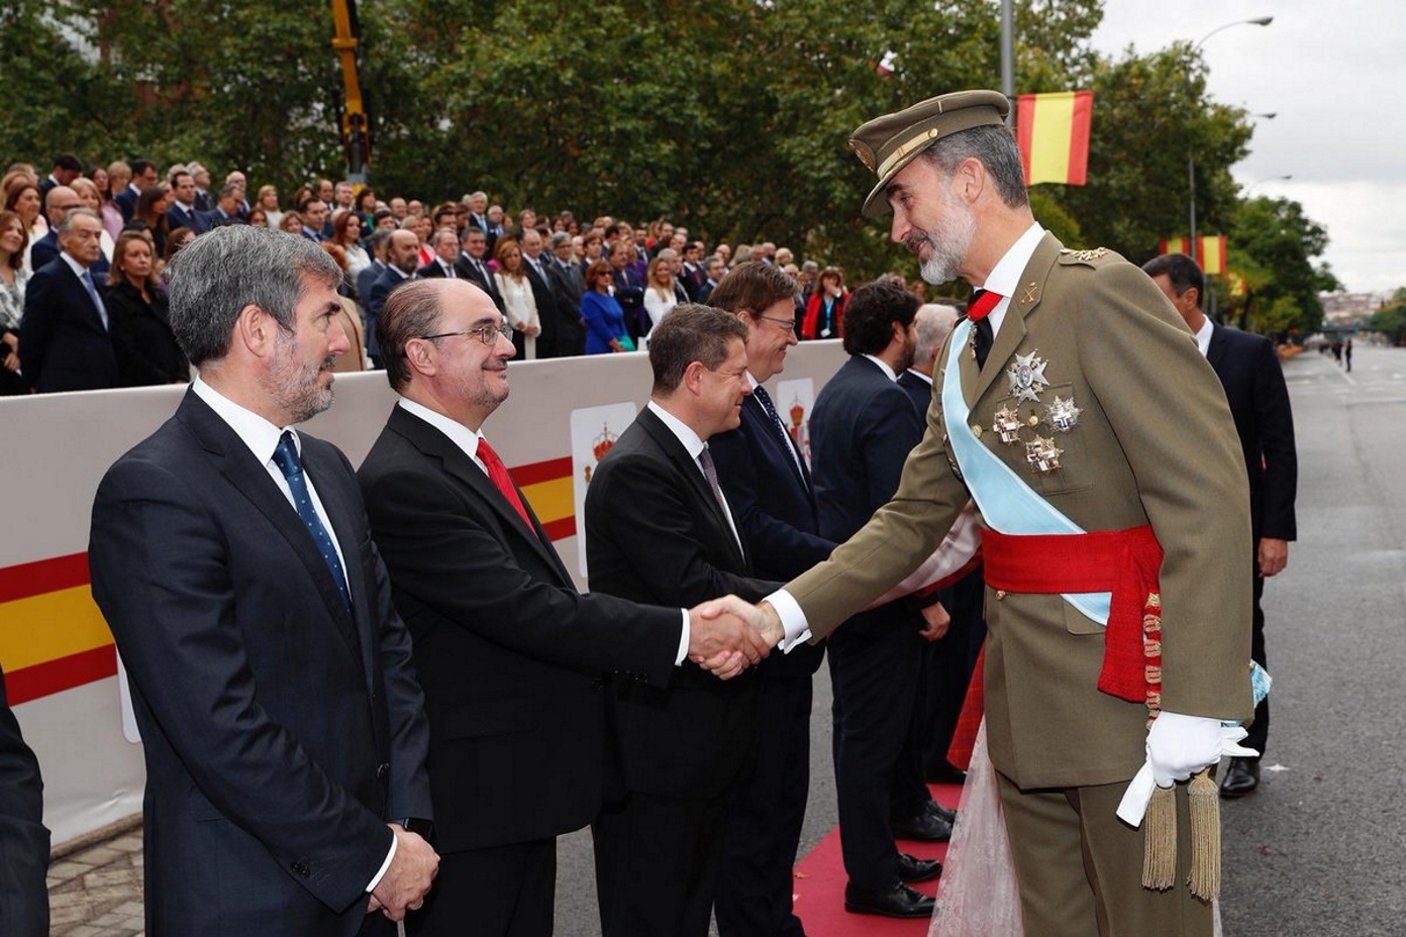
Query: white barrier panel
x=54 y=646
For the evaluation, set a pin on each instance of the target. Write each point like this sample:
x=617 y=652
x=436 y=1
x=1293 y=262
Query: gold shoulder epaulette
x=1090 y=257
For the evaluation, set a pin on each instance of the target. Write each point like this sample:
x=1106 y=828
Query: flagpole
x=1008 y=57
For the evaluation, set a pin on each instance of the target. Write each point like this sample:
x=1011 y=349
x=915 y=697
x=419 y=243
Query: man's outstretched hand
x=728 y=635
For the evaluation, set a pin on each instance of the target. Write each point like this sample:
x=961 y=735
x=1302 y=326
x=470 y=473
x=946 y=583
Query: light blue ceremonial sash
x=1006 y=502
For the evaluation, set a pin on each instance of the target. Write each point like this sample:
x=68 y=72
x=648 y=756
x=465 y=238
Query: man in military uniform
x=1073 y=407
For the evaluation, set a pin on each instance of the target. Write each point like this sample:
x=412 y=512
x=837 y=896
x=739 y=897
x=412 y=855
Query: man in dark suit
x=445 y=244
x=67 y=167
x=1249 y=370
x=62 y=200
x=629 y=288
x=535 y=266
x=768 y=488
x=402 y=255
x=659 y=530
x=861 y=432
x=183 y=213
x=24 y=900
x=376 y=249
x=285 y=735
x=226 y=210
x=64 y=340
x=569 y=283
x=473 y=248
x=714 y=270
x=204 y=199
x=143 y=177
x=508 y=652
x=692 y=275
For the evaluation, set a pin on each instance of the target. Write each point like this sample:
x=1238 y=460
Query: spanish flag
x=1210 y=252
x=1053 y=133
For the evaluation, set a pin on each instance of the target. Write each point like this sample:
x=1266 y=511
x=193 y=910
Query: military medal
x=1043 y=455
x=1062 y=414
x=1027 y=377
x=1007 y=425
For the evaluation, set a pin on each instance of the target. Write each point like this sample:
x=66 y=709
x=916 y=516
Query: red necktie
x=498 y=474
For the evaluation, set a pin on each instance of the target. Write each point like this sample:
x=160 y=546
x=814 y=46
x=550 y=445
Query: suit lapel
x=457 y=464
x=1215 y=351
x=239 y=467
x=785 y=450
x=1028 y=294
x=687 y=466
x=342 y=509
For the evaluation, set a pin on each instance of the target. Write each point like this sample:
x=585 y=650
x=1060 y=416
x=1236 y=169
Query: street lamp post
x=1284 y=178
x=1191 y=157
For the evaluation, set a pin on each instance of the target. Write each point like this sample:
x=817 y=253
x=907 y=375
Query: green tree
x=1390 y=320
x=1277 y=236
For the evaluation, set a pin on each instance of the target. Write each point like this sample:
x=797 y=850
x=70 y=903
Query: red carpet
x=820 y=886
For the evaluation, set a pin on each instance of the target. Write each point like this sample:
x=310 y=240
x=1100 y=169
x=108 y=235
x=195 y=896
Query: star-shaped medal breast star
x=1027 y=377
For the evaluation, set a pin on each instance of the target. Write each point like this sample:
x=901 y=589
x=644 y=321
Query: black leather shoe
x=949 y=815
x=929 y=825
x=946 y=774
x=898 y=901
x=1241 y=778
x=913 y=869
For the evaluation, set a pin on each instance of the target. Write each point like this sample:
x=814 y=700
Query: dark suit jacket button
x=300 y=868
x=381 y=770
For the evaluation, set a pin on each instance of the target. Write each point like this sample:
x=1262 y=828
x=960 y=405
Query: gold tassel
x=1159 y=857
x=1205 y=837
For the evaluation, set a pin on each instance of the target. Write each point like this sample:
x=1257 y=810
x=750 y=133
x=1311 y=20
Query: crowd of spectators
x=75 y=316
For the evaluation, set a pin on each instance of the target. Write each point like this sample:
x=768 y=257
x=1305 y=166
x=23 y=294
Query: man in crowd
x=60 y=202
x=64 y=340
x=285 y=737
x=342 y=196
x=143 y=177
x=398 y=208
x=227 y=208
x=24 y=900
x=772 y=499
x=314 y=212
x=445 y=244
x=691 y=273
x=204 y=200
x=1249 y=370
x=376 y=249
x=67 y=167
x=470 y=263
x=659 y=530
x=402 y=259
x=534 y=265
x=477 y=204
x=183 y=213
x=1056 y=418
x=629 y=287
x=508 y=652
x=715 y=270
x=241 y=184
x=568 y=283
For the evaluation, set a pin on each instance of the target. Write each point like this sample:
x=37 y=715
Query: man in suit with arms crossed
x=285 y=736
x=24 y=842
x=1091 y=330
x=768 y=488
x=1249 y=370
x=659 y=530
x=509 y=653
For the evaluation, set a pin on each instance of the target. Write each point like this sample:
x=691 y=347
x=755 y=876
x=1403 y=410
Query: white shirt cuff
x=684 y=637
x=793 y=620
x=384 y=865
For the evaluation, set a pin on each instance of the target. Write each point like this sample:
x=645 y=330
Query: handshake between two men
x=728 y=635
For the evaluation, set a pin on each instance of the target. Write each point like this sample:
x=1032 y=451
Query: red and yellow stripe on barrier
x=53 y=638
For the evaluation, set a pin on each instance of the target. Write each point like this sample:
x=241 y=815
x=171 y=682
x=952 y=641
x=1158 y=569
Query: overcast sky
x=1333 y=73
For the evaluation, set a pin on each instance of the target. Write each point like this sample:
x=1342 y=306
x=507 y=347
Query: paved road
x=1321 y=848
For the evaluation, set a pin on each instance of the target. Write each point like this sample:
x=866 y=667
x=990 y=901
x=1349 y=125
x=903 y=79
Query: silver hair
x=442 y=233
x=996 y=148
x=226 y=269
x=560 y=237
x=66 y=225
x=933 y=322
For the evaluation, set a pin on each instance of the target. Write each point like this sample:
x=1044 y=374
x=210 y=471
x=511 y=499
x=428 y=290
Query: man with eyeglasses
x=510 y=655
x=61 y=201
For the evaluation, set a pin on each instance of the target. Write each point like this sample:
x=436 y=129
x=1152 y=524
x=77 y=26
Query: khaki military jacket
x=1153 y=442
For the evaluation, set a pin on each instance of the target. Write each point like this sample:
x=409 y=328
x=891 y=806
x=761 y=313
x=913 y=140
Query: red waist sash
x=1123 y=562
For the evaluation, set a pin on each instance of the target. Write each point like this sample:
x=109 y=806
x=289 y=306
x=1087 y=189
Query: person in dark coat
x=142 y=339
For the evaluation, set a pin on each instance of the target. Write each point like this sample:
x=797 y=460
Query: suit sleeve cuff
x=684 y=636
x=793 y=620
x=384 y=865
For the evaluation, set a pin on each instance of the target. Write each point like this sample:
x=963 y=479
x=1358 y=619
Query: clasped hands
x=728 y=635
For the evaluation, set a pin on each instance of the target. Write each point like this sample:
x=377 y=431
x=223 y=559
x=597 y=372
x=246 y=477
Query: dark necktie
x=498 y=474
x=979 y=311
x=98 y=306
x=764 y=399
x=286 y=458
x=710 y=472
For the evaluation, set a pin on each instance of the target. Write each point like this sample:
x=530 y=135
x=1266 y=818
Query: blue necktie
x=286 y=457
x=87 y=279
x=765 y=400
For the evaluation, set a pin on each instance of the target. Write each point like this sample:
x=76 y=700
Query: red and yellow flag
x=1210 y=252
x=1053 y=133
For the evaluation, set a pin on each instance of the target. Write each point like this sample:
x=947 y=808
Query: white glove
x=1179 y=746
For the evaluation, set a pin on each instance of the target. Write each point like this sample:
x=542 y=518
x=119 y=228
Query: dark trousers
x=947 y=668
x=500 y=891
x=657 y=864
x=874 y=672
x=1259 y=730
x=764 y=821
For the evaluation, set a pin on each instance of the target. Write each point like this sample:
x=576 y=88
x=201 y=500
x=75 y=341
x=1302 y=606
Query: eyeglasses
x=787 y=324
x=488 y=334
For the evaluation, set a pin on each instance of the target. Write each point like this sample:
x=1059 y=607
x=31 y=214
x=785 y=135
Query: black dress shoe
x=913 y=869
x=898 y=901
x=949 y=815
x=946 y=774
x=1241 y=778
x=928 y=825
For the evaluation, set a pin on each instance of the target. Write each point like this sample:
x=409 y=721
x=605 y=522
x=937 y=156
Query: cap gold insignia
x=866 y=155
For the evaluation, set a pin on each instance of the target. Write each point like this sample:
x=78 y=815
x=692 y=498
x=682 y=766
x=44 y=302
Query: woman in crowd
x=354 y=358
x=13 y=277
x=142 y=340
x=268 y=202
x=90 y=197
x=365 y=206
x=291 y=222
x=347 y=234
x=99 y=176
x=659 y=296
x=423 y=226
x=825 y=310
x=151 y=211
x=602 y=315
x=258 y=218
x=119 y=174
x=175 y=242
x=22 y=198
x=520 y=305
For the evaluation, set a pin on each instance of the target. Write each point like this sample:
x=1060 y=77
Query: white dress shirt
x=1203 y=336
